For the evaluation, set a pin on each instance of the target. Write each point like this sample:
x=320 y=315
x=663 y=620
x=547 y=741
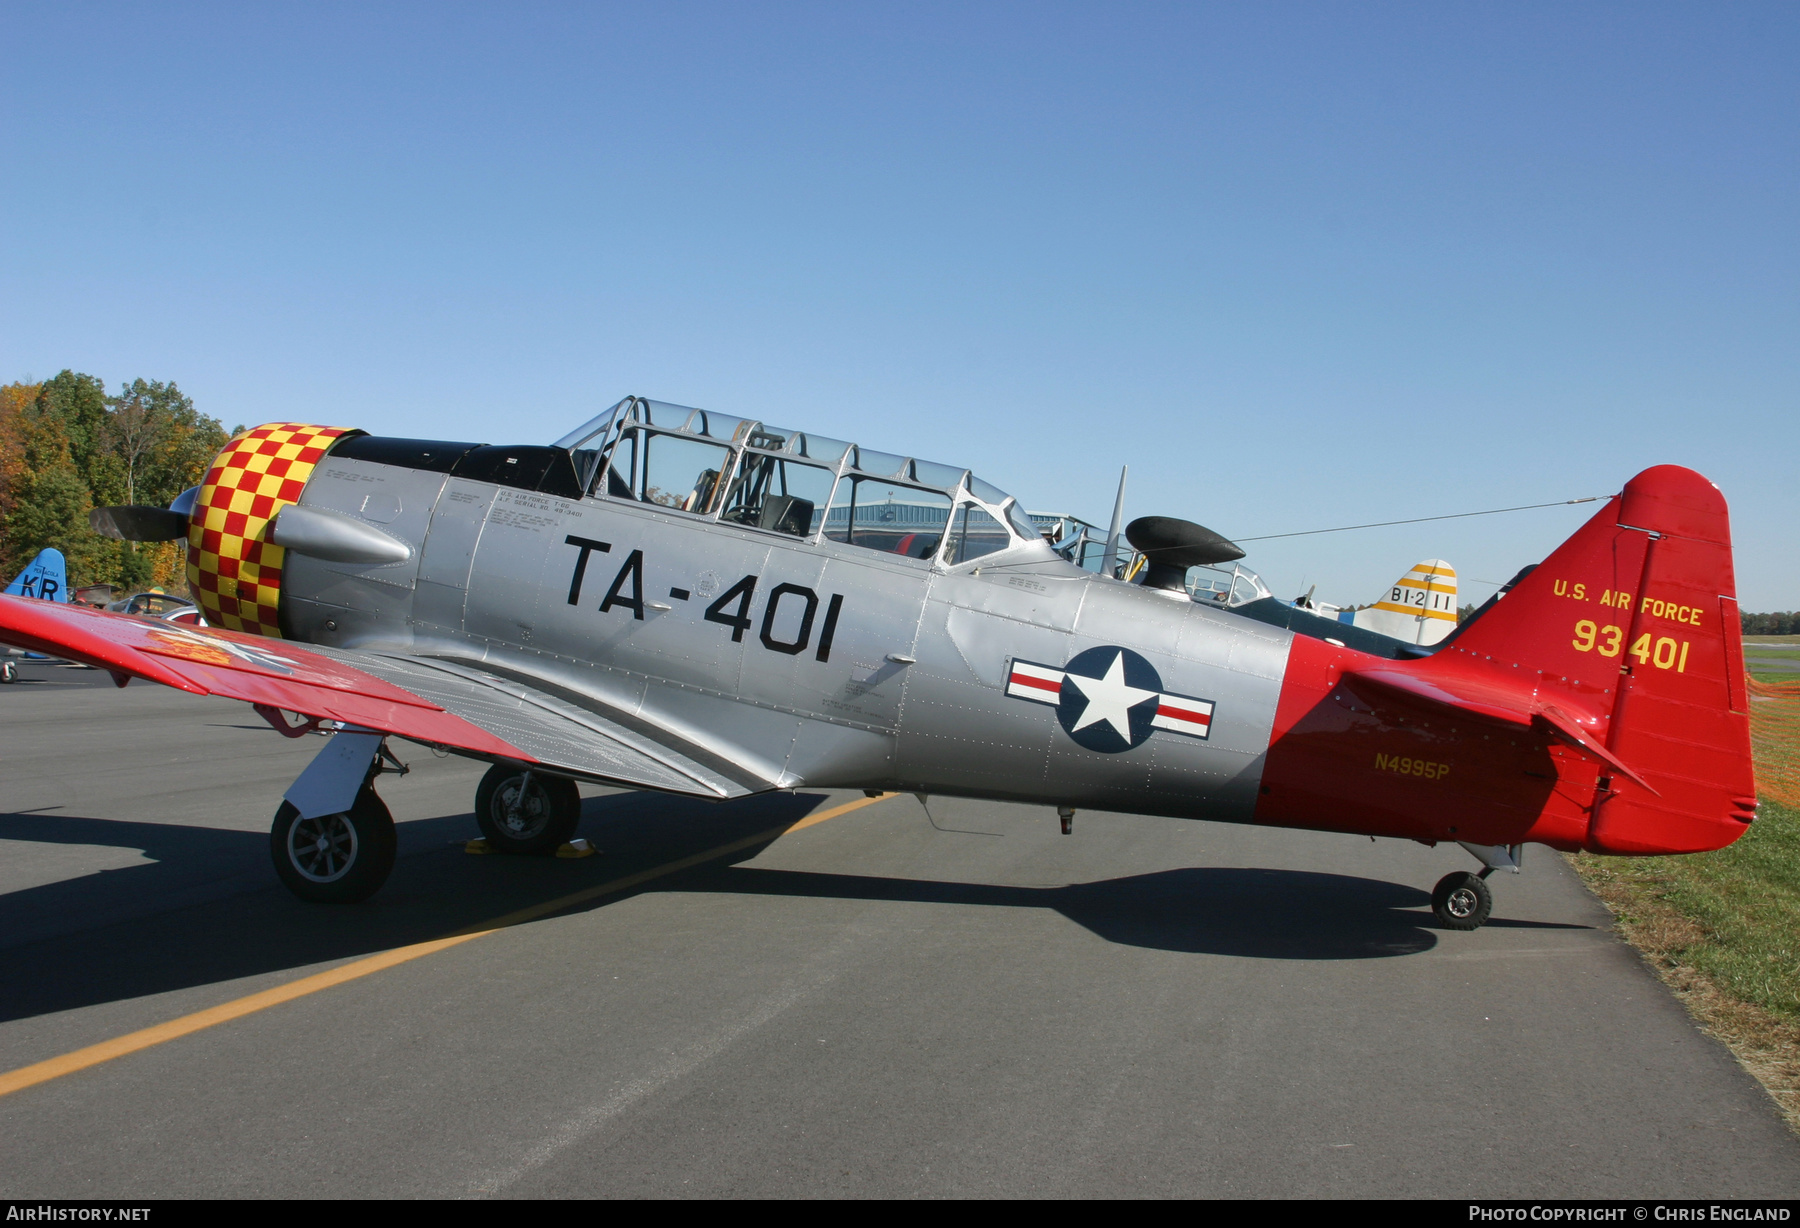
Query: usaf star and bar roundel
x=1109 y=699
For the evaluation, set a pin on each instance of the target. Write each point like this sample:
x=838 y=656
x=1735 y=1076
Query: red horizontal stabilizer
x=1497 y=701
x=1478 y=696
x=208 y=661
x=1563 y=727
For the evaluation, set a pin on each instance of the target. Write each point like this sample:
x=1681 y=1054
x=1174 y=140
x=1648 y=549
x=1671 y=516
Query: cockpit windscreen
x=745 y=472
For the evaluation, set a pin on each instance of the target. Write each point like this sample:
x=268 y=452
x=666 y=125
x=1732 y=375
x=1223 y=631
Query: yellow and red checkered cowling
x=234 y=574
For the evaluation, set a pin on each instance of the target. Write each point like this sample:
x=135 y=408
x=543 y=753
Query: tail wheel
x=334 y=858
x=522 y=811
x=9 y=671
x=1462 y=901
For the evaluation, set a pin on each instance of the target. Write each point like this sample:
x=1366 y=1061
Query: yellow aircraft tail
x=1420 y=607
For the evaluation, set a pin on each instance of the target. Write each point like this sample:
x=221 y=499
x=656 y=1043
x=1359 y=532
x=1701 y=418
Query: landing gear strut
x=1462 y=901
x=522 y=811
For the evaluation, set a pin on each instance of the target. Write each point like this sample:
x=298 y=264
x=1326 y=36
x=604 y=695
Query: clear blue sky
x=1298 y=265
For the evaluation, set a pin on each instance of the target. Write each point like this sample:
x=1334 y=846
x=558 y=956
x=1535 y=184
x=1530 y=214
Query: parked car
x=159 y=605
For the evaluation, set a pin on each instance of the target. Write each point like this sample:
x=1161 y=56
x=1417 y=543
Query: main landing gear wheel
x=1462 y=901
x=335 y=858
x=521 y=811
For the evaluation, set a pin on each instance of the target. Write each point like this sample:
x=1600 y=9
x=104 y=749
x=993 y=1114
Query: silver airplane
x=674 y=599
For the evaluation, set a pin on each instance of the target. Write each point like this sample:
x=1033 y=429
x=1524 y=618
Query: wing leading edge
x=422 y=700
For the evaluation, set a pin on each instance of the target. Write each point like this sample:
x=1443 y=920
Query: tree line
x=1781 y=623
x=66 y=446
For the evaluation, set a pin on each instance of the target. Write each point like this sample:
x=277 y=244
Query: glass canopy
x=795 y=482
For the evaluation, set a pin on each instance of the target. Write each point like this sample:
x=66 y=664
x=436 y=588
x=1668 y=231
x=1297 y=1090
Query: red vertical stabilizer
x=1629 y=632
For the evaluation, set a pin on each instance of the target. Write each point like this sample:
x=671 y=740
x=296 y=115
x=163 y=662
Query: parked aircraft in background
x=674 y=599
x=1418 y=608
x=45 y=578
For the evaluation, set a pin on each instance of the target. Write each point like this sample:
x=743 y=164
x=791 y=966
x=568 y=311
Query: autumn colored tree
x=65 y=447
x=13 y=398
x=47 y=501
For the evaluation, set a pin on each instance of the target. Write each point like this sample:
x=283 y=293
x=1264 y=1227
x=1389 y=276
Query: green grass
x=1772 y=648
x=1742 y=903
x=1722 y=930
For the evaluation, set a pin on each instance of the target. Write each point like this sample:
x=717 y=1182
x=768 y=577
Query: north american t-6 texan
x=673 y=599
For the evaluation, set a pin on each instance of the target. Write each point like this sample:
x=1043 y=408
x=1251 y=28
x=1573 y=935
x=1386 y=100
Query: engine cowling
x=234 y=571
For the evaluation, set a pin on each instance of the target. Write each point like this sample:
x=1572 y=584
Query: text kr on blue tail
x=45 y=577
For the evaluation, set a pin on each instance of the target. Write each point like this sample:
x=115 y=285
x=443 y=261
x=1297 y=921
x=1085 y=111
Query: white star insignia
x=1109 y=699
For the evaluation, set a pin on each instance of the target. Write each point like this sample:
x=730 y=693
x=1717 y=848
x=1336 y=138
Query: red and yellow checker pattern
x=234 y=574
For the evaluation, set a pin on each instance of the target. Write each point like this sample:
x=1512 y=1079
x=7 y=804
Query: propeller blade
x=138 y=524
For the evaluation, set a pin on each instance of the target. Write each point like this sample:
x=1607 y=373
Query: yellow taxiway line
x=132 y=1042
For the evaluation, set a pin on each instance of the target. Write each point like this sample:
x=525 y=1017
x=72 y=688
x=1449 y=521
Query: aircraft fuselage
x=811 y=662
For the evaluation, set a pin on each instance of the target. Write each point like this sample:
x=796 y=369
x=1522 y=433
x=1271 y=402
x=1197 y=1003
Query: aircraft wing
x=417 y=698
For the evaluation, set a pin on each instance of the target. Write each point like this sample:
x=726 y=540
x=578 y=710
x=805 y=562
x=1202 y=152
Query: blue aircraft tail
x=46 y=577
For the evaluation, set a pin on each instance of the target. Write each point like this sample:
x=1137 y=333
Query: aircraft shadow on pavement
x=183 y=866
x=205 y=907
x=1253 y=913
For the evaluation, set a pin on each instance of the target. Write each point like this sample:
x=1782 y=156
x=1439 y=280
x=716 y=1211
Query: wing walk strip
x=174 y=1029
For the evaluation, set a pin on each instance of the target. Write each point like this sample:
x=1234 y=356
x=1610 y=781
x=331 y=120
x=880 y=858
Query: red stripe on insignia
x=1184 y=714
x=1043 y=684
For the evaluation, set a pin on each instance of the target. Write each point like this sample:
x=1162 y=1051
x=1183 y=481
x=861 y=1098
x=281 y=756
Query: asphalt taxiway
x=900 y=1000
